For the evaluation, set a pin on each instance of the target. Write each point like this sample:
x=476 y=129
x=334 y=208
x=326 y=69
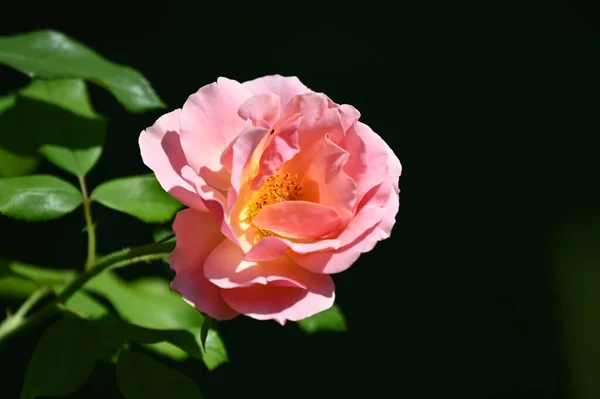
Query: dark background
x=492 y=109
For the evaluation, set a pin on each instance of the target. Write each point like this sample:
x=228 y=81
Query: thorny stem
x=31 y=301
x=18 y=323
x=12 y=322
x=91 y=229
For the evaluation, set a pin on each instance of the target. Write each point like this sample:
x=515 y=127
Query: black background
x=490 y=106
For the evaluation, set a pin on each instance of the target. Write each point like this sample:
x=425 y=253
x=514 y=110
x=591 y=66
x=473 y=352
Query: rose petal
x=226 y=268
x=298 y=219
x=364 y=221
x=214 y=201
x=269 y=248
x=197 y=235
x=318 y=119
x=272 y=302
x=280 y=146
x=336 y=188
x=378 y=160
x=357 y=163
x=220 y=180
x=210 y=121
x=242 y=152
x=390 y=210
x=331 y=262
x=394 y=168
x=349 y=115
x=285 y=87
x=354 y=245
x=262 y=109
x=378 y=196
x=161 y=151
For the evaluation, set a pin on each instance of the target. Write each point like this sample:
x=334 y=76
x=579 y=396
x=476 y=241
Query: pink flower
x=284 y=187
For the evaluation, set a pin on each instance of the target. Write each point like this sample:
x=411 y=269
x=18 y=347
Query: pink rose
x=284 y=187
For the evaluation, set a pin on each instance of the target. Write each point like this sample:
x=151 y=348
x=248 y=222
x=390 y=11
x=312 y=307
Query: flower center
x=276 y=188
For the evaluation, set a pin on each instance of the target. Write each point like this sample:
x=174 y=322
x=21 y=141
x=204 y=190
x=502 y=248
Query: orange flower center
x=276 y=188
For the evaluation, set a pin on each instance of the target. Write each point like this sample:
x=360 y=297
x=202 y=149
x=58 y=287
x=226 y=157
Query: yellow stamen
x=275 y=189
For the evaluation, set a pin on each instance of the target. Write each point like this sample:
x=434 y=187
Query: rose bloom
x=283 y=187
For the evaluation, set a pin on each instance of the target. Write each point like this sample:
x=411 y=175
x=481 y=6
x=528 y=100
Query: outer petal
x=390 y=210
x=395 y=168
x=161 y=151
x=339 y=260
x=319 y=261
x=378 y=159
x=272 y=302
x=197 y=235
x=378 y=196
x=213 y=199
x=349 y=115
x=285 y=87
x=226 y=268
x=357 y=163
x=298 y=219
x=331 y=262
x=210 y=121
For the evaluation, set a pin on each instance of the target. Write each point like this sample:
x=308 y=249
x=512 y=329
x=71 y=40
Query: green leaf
x=18 y=152
x=19 y=280
x=73 y=140
x=50 y=54
x=39 y=275
x=139 y=196
x=215 y=353
x=141 y=377
x=64 y=358
x=151 y=304
x=68 y=94
x=331 y=319
x=38 y=197
x=170 y=350
x=123 y=331
x=86 y=305
x=204 y=331
x=83 y=304
x=16 y=287
x=162 y=233
x=170 y=323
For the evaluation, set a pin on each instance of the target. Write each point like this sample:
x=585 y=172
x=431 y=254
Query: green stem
x=91 y=229
x=31 y=301
x=13 y=322
x=128 y=256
